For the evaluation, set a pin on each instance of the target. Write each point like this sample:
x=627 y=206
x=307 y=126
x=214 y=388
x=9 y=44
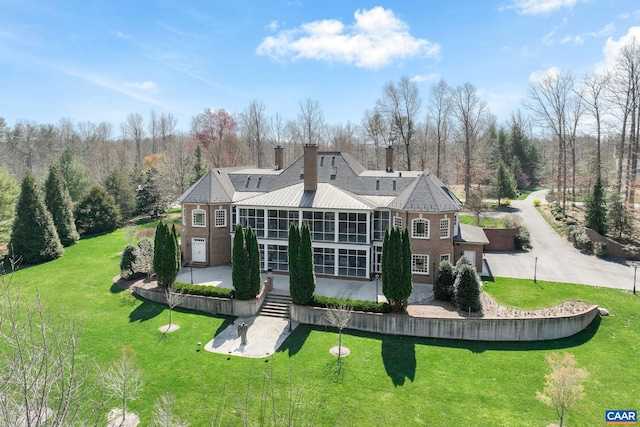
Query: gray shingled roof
x=327 y=196
x=472 y=234
x=426 y=194
x=213 y=187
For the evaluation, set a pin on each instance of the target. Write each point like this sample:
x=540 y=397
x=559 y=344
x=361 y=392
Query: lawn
x=485 y=221
x=386 y=380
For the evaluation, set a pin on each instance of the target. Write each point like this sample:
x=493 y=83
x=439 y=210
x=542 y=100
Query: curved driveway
x=557 y=259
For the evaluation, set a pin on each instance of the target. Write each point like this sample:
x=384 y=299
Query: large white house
x=347 y=207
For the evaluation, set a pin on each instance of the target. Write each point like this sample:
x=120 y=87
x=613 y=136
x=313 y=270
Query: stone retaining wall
x=477 y=329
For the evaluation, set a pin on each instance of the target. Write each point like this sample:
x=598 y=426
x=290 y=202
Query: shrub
x=506 y=201
x=143 y=254
x=356 y=305
x=443 y=285
x=582 y=241
x=600 y=249
x=631 y=251
x=523 y=238
x=571 y=221
x=467 y=289
x=571 y=231
x=96 y=212
x=537 y=203
x=203 y=290
x=127 y=261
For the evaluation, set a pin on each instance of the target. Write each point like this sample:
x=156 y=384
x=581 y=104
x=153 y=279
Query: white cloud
x=612 y=48
x=605 y=31
x=533 y=7
x=574 y=40
x=548 y=38
x=419 y=78
x=120 y=35
x=148 y=86
x=537 y=76
x=376 y=39
x=273 y=26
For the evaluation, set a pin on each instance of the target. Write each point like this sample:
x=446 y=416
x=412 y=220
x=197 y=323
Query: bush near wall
x=203 y=290
x=356 y=305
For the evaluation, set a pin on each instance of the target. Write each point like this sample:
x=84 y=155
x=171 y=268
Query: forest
x=569 y=132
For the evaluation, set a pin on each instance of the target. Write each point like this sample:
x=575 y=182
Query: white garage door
x=198 y=250
x=471 y=256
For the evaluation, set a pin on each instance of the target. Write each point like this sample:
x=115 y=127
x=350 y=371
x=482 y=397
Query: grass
x=386 y=380
x=485 y=221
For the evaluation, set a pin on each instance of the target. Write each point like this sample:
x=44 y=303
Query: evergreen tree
x=443 y=285
x=383 y=261
x=394 y=287
x=96 y=212
x=620 y=220
x=305 y=265
x=467 y=288
x=166 y=254
x=34 y=238
x=199 y=167
x=149 y=198
x=120 y=187
x=127 y=261
x=407 y=270
x=504 y=184
x=240 y=273
x=60 y=207
x=253 y=254
x=74 y=174
x=596 y=209
x=9 y=192
x=294 y=269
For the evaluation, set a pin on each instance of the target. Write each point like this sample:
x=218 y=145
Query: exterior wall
x=500 y=239
x=460 y=248
x=218 y=238
x=481 y=329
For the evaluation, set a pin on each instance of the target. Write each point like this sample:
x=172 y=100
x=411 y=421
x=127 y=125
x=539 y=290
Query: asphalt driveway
x=557 y=259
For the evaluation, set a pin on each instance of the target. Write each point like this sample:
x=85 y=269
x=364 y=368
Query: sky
x=102 y=60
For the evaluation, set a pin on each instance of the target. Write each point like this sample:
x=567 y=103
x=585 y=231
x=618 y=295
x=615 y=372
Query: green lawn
x=485 y=221
x=386 y=380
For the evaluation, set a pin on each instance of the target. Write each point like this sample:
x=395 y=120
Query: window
x=253 y=218
x=324 y=260
x=376 y=266
x=279 y=221
x=380 y=224
x=277 y=256
x=198 y=218
x=420 y=264
x=444 y=228
x=352 y=227
x=321 y=224
x=397 y=221
x=445 y=257
x=352 y=262
x=220 y=218
x=455 y=224
x=420 y=228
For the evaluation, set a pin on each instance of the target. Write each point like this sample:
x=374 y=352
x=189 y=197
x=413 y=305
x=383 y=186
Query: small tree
x=475 y=204
x=504 y=184
x=127 y=261
x=563 y=386
x=9 y=192
x=96 y=212
x=253 y=255
x=294 y=270
x=240 y=268
x=467 y=288
x=60 y=206
x=174 y=298
x=305 y=265
x=34 y=238
x=620 y=220
x=596 y=209
x=163 y=415
x=122 y=380
x=143 y=257
x=443 y=285
x=339 y=316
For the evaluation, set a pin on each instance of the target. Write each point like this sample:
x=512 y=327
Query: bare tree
x=549 y=101
x=174 y=298
x=310 y=122
x=439 y=113
x=43 y=381
x=163 y=415
x=595 y=104
x=154 y=130
x=255 y=127
x=133 y=127
x=401 y=105
x=123 y=381
x=563 y=386
x=167 y=126
x=340 y=317
x=474 y=121
x=376 y=130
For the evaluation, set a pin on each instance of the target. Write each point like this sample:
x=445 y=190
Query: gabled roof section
x=472 y=234
x=426 y=194
x=327 y=196
x=213 y=187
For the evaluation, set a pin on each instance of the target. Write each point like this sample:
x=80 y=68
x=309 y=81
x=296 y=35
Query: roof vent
x=334 y=172
x=248 y=181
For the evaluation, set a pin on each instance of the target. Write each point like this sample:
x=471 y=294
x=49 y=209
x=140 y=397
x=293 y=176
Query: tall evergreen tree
x=240 y=268
x=620 y=219
x=120 y=187
x=74 y=173
x=96 y=212
x=394 y=287
x=305 y=265
x=467 y=288
x=60 y=207
x=407 y=267
x=166 y=258
x=34 y=238
x=253 y=254
x=596 y=209
x=198 y=167
x=9 y=192
x=294 y=269
x=504 y=183
x=384 y=266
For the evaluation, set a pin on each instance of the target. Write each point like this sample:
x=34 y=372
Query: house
x=347 y=207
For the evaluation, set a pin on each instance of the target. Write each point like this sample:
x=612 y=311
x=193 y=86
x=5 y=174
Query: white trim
x=425 y=263
x=397 y=221
x=427 y=227
x=220 y=220
x=193 y=218
x=448 y=228
x=445 y=257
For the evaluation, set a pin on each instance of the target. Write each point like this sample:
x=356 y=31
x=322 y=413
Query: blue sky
x=101 y=60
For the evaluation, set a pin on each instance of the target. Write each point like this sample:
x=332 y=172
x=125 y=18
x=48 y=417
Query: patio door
x=471 y=256
x=198 y=250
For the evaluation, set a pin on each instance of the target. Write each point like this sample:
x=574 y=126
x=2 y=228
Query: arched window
x=420 y=228
x=198 y=218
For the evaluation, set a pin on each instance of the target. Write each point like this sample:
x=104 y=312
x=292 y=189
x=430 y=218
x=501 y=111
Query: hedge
x=356 y=305
x=203 y=290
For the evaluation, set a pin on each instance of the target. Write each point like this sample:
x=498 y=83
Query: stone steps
x=276 y=305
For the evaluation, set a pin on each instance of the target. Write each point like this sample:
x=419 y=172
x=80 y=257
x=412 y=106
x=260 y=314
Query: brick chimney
x=310 y=167
x=279 y=156
x=389 y=153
